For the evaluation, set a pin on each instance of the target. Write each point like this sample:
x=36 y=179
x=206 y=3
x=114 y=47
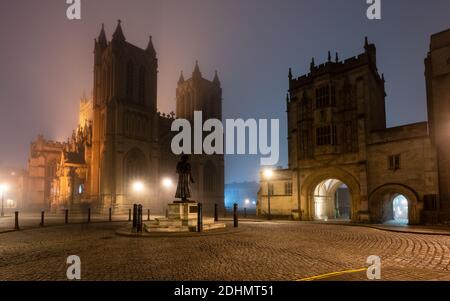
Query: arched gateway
x=319 y=195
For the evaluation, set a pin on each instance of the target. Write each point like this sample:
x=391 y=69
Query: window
x=130 y=79
x=142 y=85
x=325 y=97
x=81 y=189
x=394 y=162
x=288 y=188
x=326 y=135
x=271 y=189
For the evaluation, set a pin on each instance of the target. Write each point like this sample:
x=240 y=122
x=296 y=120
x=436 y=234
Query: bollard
x=148 y=214
x=16 y=226
x=235 y=215
x=135 y=207
x=42 y=219
x=66 y=218
x=129 y=215
x=245 y=212
x=216 y=212
x=139 y=219
x=89 y=215
x=167 y=213
x=200 y=217
x=110 y=214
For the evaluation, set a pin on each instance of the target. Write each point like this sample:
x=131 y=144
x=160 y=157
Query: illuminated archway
x=400 y=209
x=392 y=203
x=332 y=200
x=340 y=176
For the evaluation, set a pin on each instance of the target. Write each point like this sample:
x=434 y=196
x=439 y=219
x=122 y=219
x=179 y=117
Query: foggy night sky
x=46 y=61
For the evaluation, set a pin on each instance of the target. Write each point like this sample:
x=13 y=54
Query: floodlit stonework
x=122 y=138
x=338 y=140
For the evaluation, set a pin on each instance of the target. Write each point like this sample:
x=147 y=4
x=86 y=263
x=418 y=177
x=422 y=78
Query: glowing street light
x=268 y=174
x=138 y=187
x=3 y=188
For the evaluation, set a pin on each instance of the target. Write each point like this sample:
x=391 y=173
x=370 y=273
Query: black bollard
x=129 y=215
x=110 y=214
x=89 y=215
x=245 y=212
x=148 y=214
x=139 y=219
x=235 y=215
x=216 y=212
x=135 y=207
x=42 y=219
x=200 y=217
x=16 y=226
x=66 y=216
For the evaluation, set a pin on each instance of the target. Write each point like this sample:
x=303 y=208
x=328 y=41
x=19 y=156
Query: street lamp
x=3 y=188
x=268 y=174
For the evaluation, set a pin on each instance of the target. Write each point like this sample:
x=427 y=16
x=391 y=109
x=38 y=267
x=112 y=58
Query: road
x=258 y=251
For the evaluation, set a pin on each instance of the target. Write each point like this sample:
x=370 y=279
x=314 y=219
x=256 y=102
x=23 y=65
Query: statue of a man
x=184 y=179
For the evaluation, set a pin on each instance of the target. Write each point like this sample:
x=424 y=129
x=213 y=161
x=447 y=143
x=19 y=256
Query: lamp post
x=268 y=174
x=3 y=189
x=138 y=188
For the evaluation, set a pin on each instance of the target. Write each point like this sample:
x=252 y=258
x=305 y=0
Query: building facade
x=344 y=163
x=122 y=139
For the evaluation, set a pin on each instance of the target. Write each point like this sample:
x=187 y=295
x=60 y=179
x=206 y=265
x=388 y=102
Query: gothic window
x=325 y=97
x=304 y=144
x=326 y=135
x=142 y=85
x=51 y=169
x=130 y=79
x=135 y=167
x=104 y=85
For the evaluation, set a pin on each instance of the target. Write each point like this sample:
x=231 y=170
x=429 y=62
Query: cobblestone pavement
x=259 y=251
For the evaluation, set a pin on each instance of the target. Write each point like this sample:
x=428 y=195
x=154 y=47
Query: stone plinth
x=184 y=212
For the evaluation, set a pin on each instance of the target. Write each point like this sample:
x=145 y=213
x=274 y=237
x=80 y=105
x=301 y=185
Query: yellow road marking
x=333 y=274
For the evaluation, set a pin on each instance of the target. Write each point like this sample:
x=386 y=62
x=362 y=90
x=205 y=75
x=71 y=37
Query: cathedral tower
x=200 y=94
x=125 y=121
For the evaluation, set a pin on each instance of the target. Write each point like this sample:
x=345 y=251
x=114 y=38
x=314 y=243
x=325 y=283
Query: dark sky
x=46 y=60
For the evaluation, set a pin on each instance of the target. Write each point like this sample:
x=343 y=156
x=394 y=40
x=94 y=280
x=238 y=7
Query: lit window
x=80 y=189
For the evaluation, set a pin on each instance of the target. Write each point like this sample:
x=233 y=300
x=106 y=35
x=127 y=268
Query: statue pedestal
x=184 y=212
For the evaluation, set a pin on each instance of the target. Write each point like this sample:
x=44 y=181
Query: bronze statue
x=184 y=179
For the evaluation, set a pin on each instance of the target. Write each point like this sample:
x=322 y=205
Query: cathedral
x=122 y=138
x=345 y=163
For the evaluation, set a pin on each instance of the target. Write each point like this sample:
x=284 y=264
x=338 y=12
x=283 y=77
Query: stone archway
x=381 y=202
x=309 y=184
